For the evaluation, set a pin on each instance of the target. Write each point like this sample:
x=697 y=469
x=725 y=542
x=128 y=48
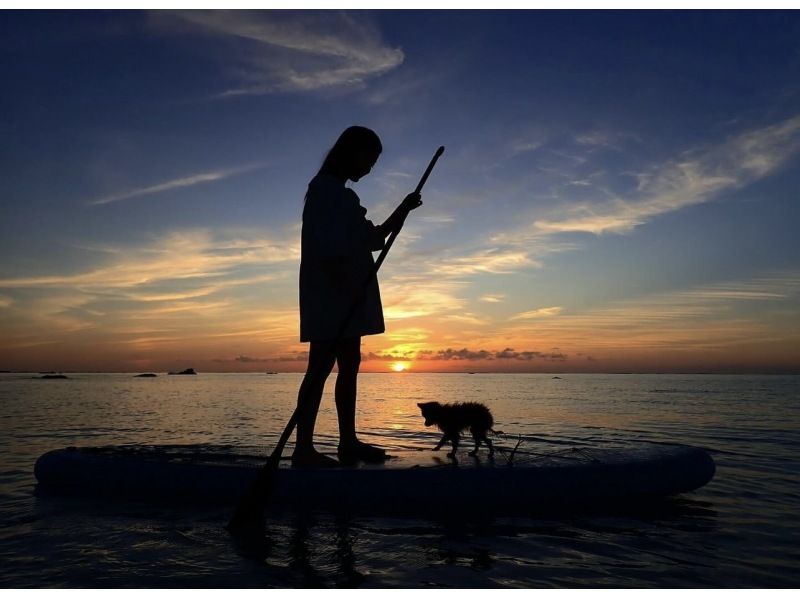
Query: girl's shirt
x=337 y=242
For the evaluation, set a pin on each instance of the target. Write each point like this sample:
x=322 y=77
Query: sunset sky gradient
x=619 y=191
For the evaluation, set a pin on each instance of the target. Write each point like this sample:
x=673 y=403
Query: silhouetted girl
x=336 y=261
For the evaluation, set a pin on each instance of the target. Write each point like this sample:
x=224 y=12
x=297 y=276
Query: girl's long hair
x=351 y=141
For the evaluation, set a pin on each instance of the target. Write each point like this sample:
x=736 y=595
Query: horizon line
x=559 y=373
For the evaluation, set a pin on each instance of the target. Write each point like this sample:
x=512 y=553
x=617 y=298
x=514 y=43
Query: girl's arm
x=394 y=222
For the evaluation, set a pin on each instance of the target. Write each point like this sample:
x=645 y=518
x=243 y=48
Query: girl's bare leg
x=348 y=358
x=321 y=358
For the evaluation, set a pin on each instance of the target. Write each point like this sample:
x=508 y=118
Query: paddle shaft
x=396 y=232
x=256 y=496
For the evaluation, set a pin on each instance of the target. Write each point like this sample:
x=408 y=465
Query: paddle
x=250 y=509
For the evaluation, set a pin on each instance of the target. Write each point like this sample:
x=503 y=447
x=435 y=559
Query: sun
x=400 y=366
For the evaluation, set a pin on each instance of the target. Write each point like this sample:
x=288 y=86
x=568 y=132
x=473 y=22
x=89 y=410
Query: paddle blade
x=249 y=512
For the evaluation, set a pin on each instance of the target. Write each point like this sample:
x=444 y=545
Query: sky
x=619 y=191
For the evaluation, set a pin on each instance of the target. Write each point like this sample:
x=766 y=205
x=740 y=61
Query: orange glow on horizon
x=400 y=366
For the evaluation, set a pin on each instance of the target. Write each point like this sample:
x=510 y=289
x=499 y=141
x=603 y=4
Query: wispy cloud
x=408 y=334
x=412 y=297
x=188 y=181
x=604 y=138
x=467 y=318
x=695 y=177
x=182 y=255
x=492 y=260
x=544 y=312
x=191 y=284
x=402 y=85
x=730 y=314
x=289 y=51
x=443 y=282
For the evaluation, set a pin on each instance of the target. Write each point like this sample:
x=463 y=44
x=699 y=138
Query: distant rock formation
x=145 y=376
x=556 y=377
x=186 y=372
x=271 y=373
x=53 y=377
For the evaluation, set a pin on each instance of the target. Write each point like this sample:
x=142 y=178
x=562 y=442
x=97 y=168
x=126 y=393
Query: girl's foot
x=361 y=451
x=312 y=459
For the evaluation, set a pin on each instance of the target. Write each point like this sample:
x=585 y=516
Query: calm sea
x=741 y=530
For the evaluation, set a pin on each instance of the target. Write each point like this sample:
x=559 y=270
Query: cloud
x=494 y=260
x=246 y=359
x=291 y=51
x=710 y=317
x=509 y=353
x=389 y=356
x=604 y=138
x=483 y=355
x=414 y=296
x=403 y=86
x=242 y=359
x=408 y=334
x=296 y=356
x=492 y=298
x=187 y=286
x=189 y=181
x=693 y=178
x=544 y=312
x=181 y=256
x=466 y=318
x=461 y=354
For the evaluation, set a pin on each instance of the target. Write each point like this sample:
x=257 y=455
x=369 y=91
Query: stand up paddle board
x=413 y=480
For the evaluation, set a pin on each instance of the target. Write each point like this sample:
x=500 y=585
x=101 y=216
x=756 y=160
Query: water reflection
x=322 y=550
x=341 y=559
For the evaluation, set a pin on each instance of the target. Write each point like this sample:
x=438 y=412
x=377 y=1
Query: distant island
x=53 y=377
x=271 y=373
x=145 y=375
x=186 y=372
